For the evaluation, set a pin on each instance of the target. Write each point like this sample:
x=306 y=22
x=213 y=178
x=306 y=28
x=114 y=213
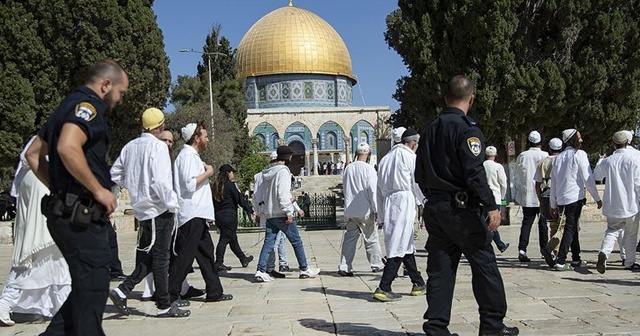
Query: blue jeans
x=275 y=225
x=282 y=253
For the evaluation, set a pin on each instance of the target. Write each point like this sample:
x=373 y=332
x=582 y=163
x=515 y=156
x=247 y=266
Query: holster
x=77 y=203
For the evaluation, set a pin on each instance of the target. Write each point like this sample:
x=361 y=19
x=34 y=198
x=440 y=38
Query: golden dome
x=293 y=40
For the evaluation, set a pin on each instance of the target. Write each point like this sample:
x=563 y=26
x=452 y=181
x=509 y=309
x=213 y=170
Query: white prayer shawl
x=31 y=233
x=397 y=196
x=622 y=184
x=23 y=168
x=359 y=182
x=526 y=166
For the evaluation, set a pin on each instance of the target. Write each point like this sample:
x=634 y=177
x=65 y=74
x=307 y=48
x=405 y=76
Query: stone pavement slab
x=541 y=301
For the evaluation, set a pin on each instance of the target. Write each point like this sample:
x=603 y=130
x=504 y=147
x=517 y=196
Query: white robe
x=39 y=280
x=397 y=197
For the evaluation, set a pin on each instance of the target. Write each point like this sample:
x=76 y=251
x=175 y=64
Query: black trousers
x=570 y=238
x=194 y=241
x=528 y=217
x=87 y=252
x=228 y=236
x=391 y=270
x=156 y=260
x=115 y=268
x=453 y=231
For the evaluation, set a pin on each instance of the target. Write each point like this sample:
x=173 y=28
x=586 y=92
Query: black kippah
x=409 y=133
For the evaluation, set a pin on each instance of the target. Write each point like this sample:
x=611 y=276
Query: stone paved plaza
x=541 y=302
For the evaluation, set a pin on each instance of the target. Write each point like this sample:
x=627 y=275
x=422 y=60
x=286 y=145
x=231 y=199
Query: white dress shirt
x=497 y=179
x=570 y=173
x=622 y=173
x=195 y=200
x=526 y=165
x=144 y=169
x=359 y=182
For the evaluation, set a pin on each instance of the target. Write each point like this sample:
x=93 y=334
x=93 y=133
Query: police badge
x=85 y=111
x=474 y=146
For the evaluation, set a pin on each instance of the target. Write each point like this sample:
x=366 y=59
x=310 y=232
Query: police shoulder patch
x=474 y=146
x=85 y=111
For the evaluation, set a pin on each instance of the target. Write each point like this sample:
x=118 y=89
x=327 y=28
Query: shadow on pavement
x=232 y=275
x=607 y=281
x=356 y=329
x=342 y=293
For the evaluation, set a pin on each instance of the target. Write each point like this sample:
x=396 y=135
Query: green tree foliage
x=45 y=48
x=545 y=65
x=252 y=163
x=228 y=97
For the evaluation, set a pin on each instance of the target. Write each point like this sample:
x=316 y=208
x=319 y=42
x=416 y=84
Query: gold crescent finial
x=290 y=3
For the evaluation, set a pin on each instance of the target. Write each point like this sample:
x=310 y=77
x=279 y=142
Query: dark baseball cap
x=284 y=152
x=225 y=168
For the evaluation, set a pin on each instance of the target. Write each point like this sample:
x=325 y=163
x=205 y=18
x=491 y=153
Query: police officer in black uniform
x=76 y=140
x=450 y=173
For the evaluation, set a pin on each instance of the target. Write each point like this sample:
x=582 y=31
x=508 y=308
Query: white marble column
x=347 y=147
x=314 y=144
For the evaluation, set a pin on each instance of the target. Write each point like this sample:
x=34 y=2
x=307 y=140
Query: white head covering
x=568 y=134
x=555 y=144
x=363 y=148
x=620 y=138
x=629 y=135
x=273 y=155
x=187 y=131
x=491 y=151
x=397 y=134
x=534 y=137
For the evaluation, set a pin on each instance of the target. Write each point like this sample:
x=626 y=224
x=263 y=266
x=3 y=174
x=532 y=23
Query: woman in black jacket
x=226 y=199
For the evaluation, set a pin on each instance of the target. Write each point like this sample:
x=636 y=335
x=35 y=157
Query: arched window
x=331 y=140
x=363 y=137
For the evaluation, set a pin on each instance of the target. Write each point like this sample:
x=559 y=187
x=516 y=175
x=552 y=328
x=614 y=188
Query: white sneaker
x=262 y=277
x=5 y=318
x=309 y=273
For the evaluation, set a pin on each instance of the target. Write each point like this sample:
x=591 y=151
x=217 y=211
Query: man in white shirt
x=569 y=176
x=191 y=183
x=275 y=203
x=360 y=208
x=397 y=195
x=621 y=172
x=144 y=169
x=497 y=179
x=526 y=195
x=542 y=177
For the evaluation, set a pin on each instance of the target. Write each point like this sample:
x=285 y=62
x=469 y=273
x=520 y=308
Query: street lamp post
x=210 y=84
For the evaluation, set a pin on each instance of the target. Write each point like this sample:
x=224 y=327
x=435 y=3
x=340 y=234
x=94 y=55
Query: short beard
x=108 y=99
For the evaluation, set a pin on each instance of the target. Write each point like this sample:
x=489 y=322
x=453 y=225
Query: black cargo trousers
x=87 y=252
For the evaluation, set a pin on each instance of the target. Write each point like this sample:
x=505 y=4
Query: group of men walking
x=442 y=168
x=552 y=187
x=69 y=157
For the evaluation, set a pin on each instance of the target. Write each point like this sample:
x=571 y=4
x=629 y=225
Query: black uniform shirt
x=450 y=156
x=84 y=108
